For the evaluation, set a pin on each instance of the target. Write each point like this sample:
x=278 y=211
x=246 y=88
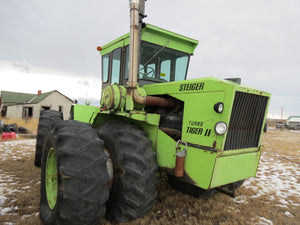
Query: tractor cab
x=164 y=57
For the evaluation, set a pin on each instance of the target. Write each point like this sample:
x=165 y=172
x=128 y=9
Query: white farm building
x=23 y=105
x=293 y=122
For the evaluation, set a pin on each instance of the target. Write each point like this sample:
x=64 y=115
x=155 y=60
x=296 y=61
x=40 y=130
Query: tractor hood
x=208 y=84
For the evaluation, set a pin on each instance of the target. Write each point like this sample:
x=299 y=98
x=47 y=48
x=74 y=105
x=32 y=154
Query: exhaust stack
x=136 y=17
x=137 y=10
x=135 y=30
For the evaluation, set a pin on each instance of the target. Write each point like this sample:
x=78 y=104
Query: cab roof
x=155 y=35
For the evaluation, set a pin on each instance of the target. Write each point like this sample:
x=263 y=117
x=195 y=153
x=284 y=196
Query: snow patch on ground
x=264 y=221
x=5 y=211
x=276 y=180
x=25 y=216
x=5 y=181
x=8 y=223
x=241 y=199
x=8 y=150
x=288 y=214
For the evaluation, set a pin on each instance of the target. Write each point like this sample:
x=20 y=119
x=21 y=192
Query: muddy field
x=273 y=197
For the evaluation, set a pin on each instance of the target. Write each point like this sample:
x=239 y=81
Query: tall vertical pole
x=134 y=43
x=137 y=8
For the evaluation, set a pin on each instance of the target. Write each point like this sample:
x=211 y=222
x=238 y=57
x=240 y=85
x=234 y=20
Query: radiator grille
x=246 y=121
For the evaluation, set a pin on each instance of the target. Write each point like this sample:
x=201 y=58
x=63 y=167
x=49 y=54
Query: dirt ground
x=273 y=197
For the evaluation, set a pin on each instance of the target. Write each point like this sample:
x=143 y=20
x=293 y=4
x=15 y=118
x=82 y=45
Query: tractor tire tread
x=82 y=175
x=47 y=117
x=133 y=193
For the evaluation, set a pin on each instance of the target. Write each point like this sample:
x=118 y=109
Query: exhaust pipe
x=135 y=34
x=134 y=49
x=137 y=9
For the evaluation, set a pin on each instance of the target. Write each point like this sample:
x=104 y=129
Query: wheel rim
x=51 y=178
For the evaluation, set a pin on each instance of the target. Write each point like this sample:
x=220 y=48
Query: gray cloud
x=84 y=82
x=23 y=67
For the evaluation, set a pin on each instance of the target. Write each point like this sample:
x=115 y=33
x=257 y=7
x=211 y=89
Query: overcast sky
x=51 y=45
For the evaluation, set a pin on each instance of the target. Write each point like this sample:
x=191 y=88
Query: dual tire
x=74 y=176
x=47 y=118
x=133 y=188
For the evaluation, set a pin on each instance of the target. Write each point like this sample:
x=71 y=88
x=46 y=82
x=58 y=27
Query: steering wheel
x=150 y=72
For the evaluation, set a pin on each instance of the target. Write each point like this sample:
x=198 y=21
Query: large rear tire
x=47 y=117
x=133 y=189
x=74 y=175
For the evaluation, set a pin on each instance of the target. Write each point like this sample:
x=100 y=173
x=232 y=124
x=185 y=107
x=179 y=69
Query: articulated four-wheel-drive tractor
x=203 y=133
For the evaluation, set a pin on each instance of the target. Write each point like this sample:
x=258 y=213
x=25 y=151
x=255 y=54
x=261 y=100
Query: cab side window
x=165 y=70
x=111 y=66
x=181 y=68
x=105 y=68
x=116 y=66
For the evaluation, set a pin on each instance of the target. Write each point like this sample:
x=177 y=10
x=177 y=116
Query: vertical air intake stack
x=137 y=10
x=136 y=17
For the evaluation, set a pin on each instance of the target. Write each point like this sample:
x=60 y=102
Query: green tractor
x=203 y=133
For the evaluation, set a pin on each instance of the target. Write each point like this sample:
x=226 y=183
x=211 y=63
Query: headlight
x=219 y=107
x=220 y=128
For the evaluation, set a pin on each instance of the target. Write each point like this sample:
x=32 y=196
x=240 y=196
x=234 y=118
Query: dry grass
x=171 y=207
x=30 y=124
x=23 y=184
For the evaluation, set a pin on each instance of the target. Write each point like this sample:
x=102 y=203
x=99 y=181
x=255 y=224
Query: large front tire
x=74 y=175
x=47 y=117
x=133 y=189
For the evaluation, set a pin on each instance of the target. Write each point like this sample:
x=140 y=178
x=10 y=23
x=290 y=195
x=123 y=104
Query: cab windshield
x=160 y=63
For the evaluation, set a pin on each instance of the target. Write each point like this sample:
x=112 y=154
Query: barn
x=293 y=122
x=23 y=105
